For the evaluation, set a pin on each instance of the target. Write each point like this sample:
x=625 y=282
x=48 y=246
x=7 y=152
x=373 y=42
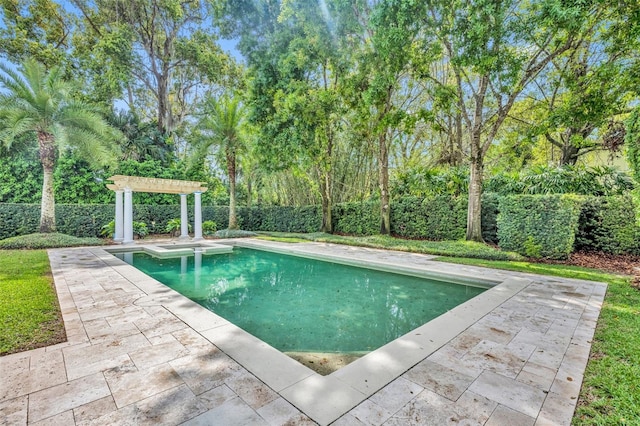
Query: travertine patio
x=136 y=356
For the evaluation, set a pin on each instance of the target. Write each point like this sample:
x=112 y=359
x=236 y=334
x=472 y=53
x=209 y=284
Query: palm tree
x=221 y=126
x=38 y=102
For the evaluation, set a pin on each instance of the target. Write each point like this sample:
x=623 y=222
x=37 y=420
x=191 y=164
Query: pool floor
x=138 y=351
x=300 y=305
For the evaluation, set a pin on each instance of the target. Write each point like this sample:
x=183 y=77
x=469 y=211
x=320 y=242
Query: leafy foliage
x=49 y=240
x=209 y=227
x=632 y=140
x=140 y=229
x=36 y=104
x=356 y=218
x=608 y=225
x=234 y=233
x=538 y=226
x=21 y=178
x=422 y=181
x=435 y=218
x=598 y=181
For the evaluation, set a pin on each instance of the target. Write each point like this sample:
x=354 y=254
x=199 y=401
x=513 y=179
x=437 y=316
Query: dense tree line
x=339 y=100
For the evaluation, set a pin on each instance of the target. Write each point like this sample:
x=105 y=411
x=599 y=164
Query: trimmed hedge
x=356 y=218
x=435 y=218
x=18 y=219
x=608 y=224
x=539 y=226
x=490 y=210
x=536 y=226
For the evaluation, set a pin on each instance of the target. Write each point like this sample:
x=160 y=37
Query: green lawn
x=611 y=390
x=29 y=311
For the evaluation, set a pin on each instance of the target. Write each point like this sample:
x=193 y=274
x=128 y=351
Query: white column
x=119 y=234
x=128 y=217
x=184 y=218
x=197 y=220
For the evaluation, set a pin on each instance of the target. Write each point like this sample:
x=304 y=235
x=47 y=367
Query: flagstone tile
x=205 y=370
x=73 y=394
x=14 y=411
x=280 y=412
x=233 y=412
x=150 y=356
x=250 y=389
x=511 y=393
x=440 y=379
x=505 y=416
x=370 y=413
x=61 y=419
x=396 y=394
x=129 y=385
x=94 y=409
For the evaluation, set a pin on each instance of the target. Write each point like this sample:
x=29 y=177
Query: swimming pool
x=297 y=304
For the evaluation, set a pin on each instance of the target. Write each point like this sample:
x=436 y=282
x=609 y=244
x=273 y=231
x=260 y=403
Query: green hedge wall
x=608 y=224
x=435 y=218
x=356 y=218
x=18 y=219
x=540 y=226
x=72 y=219
x=490 y=210
x=536 y=226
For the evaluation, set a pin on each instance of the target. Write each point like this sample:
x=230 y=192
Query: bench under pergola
x=125 y=186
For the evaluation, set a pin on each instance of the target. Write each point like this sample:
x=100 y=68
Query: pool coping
x=326 y=398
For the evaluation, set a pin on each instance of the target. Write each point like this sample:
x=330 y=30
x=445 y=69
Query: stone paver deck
x=130 y=359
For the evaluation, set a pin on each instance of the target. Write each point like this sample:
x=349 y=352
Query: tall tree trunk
x=458 y=140
x=231 y=170
x=383 y=181
x=326 y=184
x=569 y=154
x=325 y=190
x=474 y=210
x=48 y=161
x=163 y=103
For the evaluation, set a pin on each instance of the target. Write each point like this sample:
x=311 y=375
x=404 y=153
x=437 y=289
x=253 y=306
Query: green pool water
x=303 y=305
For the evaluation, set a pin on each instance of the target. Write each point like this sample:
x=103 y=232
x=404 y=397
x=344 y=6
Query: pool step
x=175 y=250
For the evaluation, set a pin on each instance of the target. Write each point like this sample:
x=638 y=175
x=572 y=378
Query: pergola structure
x=125 y=186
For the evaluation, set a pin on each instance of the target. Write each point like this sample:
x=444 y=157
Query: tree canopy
x=347 y=100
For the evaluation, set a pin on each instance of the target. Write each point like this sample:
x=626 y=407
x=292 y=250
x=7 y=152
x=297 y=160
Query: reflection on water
x=298 y=304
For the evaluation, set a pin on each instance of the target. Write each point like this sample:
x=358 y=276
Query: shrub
x=490 y=209
x=541 y=226
x=234 y=233
x=44 y=241
x=209 y=227
x=140 y=229
x=435 y=218
x=356 y=218
x=286 y=219
x=18 y=219
x=608 y=224
x=174 y=227
x=109 y=229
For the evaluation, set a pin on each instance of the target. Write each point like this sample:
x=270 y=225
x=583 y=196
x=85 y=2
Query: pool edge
x=323 y=398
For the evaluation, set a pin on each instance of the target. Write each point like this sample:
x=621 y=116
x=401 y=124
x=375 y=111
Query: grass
x=441 y=248
x=43 y=241
x=29 y=310
x=610 y=392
